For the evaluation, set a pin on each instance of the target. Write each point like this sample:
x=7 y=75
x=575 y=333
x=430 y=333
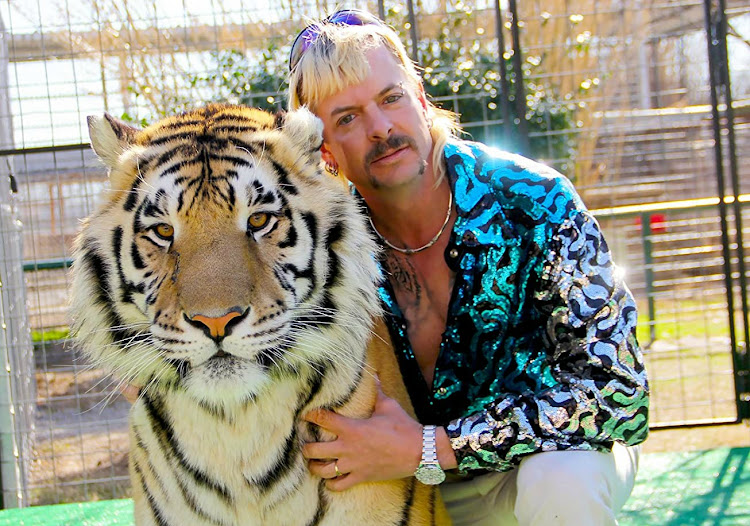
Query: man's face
x=377 y=131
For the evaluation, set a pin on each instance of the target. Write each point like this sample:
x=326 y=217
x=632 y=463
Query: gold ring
x=336 y=468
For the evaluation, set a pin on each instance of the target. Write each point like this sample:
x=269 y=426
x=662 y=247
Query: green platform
x=708 y=488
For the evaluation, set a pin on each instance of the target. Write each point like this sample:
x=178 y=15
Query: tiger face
x=222 y=257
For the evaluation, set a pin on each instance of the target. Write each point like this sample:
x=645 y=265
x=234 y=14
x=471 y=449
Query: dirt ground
x=81 y=439
x=81 y=446
x=698 y=438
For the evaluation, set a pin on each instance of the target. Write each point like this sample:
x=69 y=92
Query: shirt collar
x=481 y=218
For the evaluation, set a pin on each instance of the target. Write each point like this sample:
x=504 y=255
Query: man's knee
x=566 y=488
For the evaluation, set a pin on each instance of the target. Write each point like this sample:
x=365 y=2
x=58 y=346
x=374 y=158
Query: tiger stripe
x=127 y=287
x=161 y=427
x=283 y=464
x=157 y=513
x=190 y=499
x=322 y=506
x=405 y=514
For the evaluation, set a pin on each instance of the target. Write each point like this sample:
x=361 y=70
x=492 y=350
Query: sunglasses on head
x=344 y=17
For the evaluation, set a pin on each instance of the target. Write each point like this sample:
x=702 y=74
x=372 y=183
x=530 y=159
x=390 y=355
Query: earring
x=333 y=170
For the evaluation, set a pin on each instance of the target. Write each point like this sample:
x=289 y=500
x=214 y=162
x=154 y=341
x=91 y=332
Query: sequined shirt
x=539 y=351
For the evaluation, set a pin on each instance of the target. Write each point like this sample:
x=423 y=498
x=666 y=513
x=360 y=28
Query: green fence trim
x=648 y=268
x=47 y=264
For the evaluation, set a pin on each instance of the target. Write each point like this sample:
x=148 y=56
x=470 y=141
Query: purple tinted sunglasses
x=344 y=17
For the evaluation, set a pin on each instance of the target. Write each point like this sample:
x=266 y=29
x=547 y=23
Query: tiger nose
x=217 y=327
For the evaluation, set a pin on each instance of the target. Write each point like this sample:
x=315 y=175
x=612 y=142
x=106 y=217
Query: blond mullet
x=337 y=59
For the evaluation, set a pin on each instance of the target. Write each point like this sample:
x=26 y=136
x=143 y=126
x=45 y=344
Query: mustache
x=394 y=142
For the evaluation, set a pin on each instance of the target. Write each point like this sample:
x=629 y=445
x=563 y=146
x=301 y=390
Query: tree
x=461 y=72
x=467 y=77
x=231 y=77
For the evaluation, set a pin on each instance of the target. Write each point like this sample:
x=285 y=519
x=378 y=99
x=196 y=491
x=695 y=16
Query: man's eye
x=393 y=97
x=346 y=119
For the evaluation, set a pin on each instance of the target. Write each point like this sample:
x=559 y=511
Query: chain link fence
x=614 y=94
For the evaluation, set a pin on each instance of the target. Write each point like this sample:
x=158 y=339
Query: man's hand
x=386 y=446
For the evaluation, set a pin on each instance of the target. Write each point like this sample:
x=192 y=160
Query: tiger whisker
x=154 y=381
x=142 y=363
x=335 y=324
x=333 y=351
x=125 y=343
x=338 y=346
x=120 y=328
x=305 y=360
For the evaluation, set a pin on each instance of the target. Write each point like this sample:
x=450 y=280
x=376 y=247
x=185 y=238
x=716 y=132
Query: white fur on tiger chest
x=238 y=452
x=235 y=451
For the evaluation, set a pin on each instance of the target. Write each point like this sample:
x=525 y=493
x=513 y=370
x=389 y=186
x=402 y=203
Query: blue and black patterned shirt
x=539 y=351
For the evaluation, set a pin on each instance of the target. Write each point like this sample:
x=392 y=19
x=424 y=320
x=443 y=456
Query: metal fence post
x=17 y=383
x=648 y=268
x=413 y=31
x=715 y=20
x=520 y=92
x=720 y=28
x=504 y=102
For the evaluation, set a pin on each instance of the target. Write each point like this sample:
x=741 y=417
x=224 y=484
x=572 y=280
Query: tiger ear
x=305 y=130
x=110 y=137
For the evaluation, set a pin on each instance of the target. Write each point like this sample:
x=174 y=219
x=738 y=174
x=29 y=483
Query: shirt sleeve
x=601 y=394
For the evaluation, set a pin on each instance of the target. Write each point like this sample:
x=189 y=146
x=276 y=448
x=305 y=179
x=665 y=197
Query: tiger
x=231 y=277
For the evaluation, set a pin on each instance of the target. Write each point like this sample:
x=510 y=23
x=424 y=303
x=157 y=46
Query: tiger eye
x=258 y=221
x=164 y=231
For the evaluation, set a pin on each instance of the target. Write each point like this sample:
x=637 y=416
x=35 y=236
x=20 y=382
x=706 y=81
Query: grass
x=50 y=335
x=688 y=357
x=680 y=318
x=689 y=361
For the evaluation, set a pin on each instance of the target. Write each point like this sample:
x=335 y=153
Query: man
x=514 y=333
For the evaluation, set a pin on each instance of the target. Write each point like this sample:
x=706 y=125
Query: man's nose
x=379 y=126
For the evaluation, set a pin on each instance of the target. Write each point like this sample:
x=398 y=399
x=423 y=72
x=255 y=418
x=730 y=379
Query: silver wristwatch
x=429 y=470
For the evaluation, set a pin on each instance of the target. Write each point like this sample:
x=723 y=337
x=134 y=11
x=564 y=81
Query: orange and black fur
x=231 y=278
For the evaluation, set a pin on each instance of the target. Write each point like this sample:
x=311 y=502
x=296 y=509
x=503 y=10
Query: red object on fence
x=657 y=222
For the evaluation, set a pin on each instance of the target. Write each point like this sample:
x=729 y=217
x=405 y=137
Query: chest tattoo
x=403 y=278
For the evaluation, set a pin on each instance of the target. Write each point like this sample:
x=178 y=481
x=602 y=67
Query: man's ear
x=328 y=156
x=422 y=96
x=330 y=162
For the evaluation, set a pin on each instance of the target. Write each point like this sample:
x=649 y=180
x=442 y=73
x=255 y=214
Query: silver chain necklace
x=409 y=251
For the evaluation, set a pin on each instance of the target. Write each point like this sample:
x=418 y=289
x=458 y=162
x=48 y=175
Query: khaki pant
x=556 y=488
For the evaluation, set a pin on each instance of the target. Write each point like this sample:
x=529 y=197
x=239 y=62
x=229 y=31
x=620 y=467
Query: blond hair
x=337 y=59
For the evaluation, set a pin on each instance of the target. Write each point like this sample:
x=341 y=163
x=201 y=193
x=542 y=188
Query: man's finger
x=321 y=450
x=382 y=398
x=379 y=387
x=323 y=469
x=328 y=420
x=342 y=483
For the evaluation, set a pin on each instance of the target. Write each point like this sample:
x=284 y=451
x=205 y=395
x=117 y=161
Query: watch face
x=430 y=474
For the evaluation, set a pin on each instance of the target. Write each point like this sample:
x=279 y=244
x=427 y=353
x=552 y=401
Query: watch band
x=429 y=445
x=429 y=470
